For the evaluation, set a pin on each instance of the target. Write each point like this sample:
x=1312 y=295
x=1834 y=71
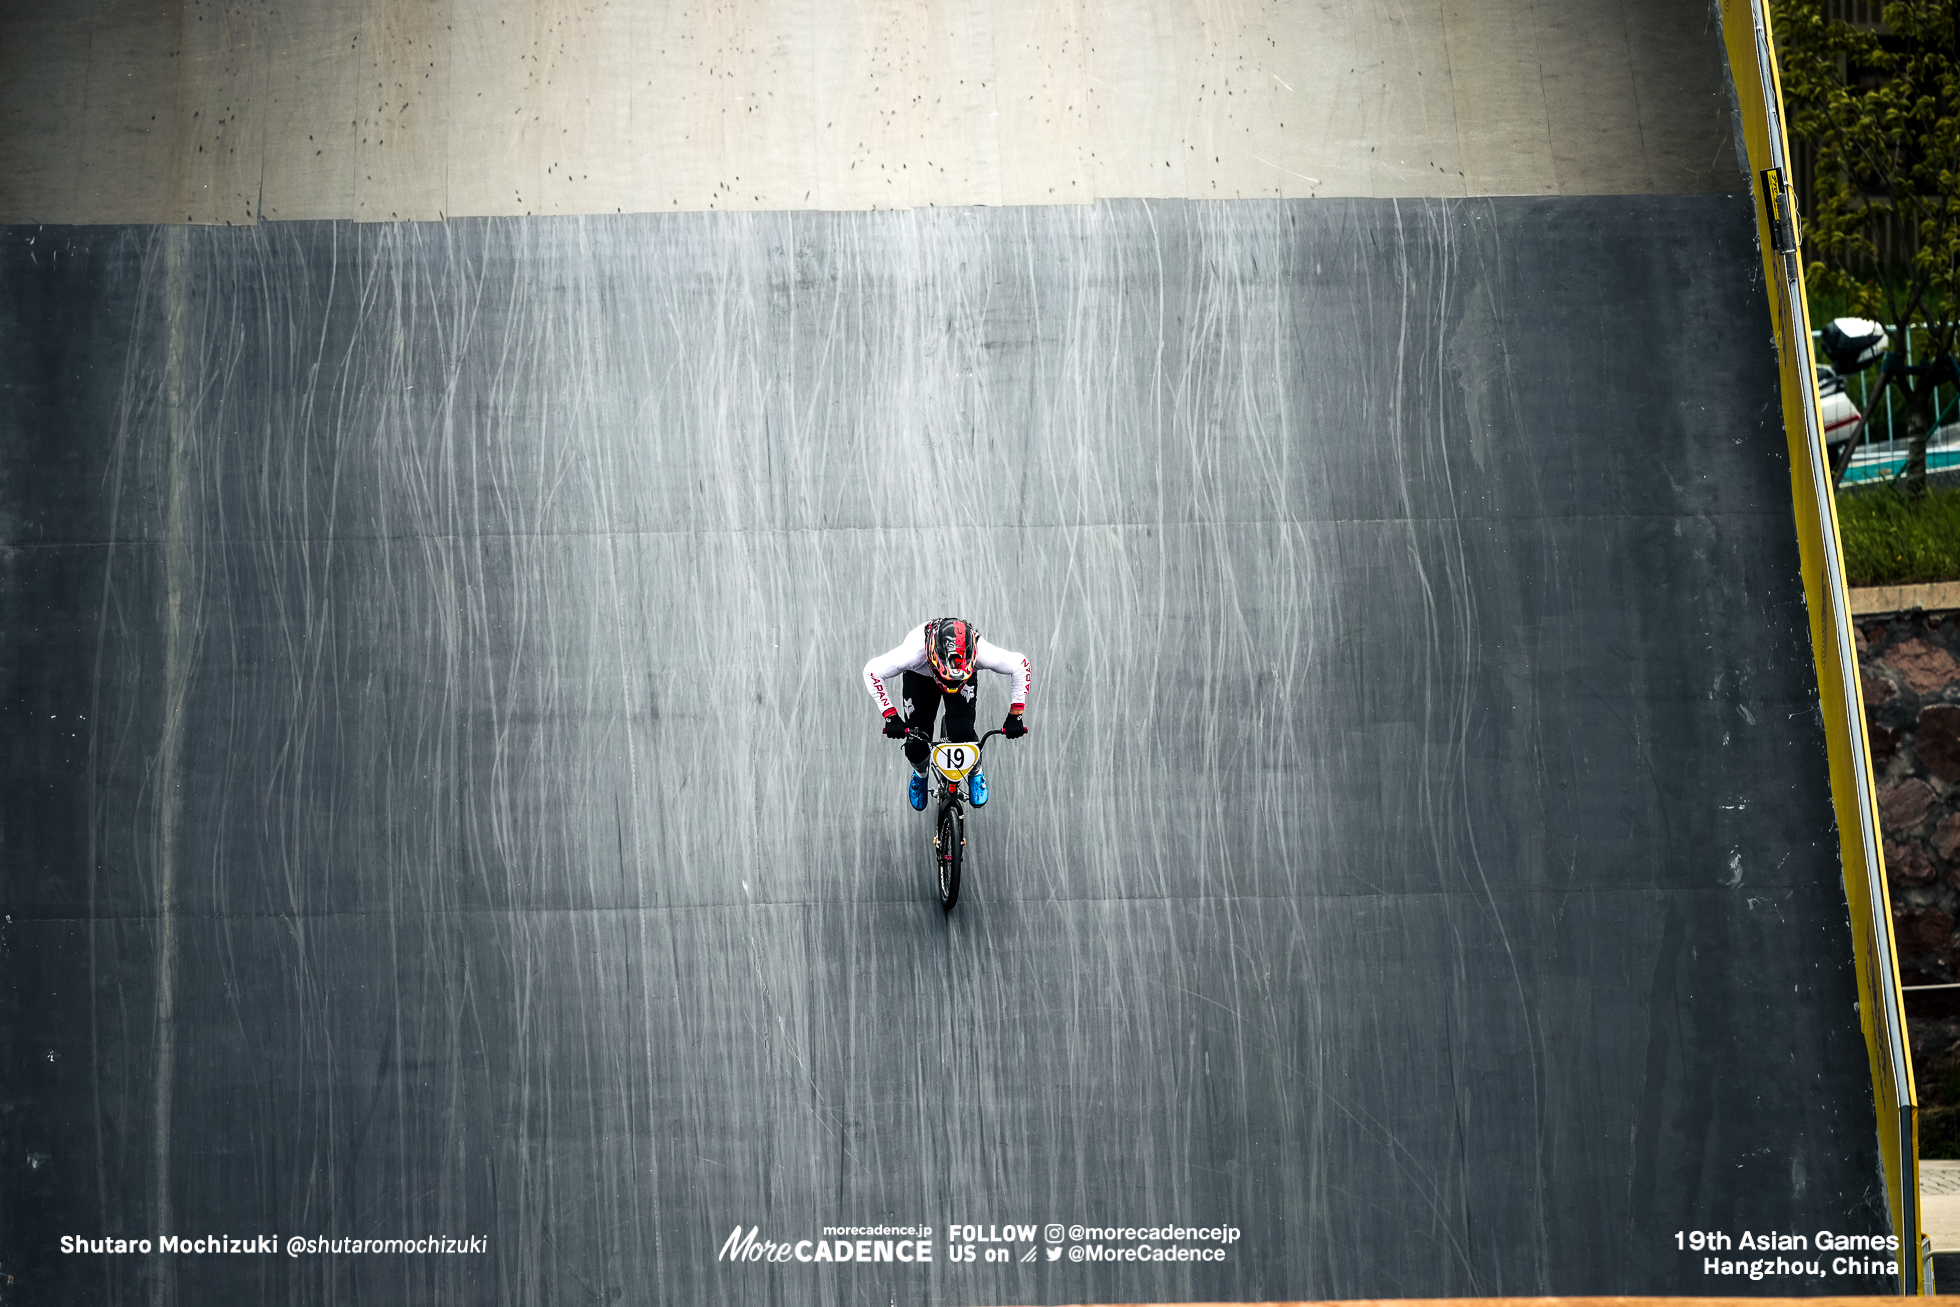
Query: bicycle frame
x=954 y=794
x=949 y=761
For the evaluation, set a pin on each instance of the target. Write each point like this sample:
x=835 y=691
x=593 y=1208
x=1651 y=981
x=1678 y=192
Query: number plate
x=954 y=761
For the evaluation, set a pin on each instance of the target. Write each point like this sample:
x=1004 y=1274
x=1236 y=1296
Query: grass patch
x=1889 y=541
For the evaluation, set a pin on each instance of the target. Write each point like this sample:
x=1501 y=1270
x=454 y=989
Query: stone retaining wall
x=1910 y=666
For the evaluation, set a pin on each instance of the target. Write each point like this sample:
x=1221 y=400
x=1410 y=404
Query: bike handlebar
x=925 y=739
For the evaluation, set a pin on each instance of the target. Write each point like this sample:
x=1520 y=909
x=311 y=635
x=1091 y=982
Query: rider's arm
x=909 y=656
x=991 y=656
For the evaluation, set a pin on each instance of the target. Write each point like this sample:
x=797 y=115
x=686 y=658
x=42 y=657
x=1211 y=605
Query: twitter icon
x=1054 y=1254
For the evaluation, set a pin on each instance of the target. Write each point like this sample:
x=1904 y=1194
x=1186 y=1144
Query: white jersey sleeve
x=1014 y=666
x=909 y=656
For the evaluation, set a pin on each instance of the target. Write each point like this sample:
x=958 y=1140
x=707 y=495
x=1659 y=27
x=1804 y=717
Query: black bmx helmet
x=949 y=652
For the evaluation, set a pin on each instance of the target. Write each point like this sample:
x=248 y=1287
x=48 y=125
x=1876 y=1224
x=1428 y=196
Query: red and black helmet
x=949 y=651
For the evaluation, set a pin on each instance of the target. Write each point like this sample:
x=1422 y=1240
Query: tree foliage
x=1881 y=109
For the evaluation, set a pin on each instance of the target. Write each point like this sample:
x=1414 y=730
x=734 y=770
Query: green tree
x=1881 y=108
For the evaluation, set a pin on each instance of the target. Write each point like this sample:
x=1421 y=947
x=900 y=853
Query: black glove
x=1013 y=728
x=895 y=727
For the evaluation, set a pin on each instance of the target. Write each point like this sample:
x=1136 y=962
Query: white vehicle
x=1852 y=345
x=1840 y=414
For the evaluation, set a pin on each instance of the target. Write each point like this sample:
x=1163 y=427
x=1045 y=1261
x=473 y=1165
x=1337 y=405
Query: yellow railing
x=1752 y=66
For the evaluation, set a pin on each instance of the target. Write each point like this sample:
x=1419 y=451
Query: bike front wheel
x=948 y=851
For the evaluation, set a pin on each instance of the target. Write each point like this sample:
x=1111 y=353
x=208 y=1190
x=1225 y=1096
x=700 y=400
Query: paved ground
x=1938 y=1178
x=1939 y=1202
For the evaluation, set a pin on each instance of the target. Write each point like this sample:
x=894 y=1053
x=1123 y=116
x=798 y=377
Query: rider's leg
x=918 y=704
x=919 y=698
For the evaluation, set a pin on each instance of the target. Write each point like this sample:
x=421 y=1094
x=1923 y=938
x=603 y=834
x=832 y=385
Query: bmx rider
x=937 y=662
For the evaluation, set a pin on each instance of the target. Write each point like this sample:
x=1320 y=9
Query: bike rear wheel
x=948 y=850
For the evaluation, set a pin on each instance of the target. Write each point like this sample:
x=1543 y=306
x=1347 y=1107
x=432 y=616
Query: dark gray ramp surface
x=439 y=797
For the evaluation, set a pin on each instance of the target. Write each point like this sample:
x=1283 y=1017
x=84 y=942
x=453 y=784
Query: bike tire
x=948 y=850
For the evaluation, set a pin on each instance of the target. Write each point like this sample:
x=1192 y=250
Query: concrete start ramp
x=440 y=800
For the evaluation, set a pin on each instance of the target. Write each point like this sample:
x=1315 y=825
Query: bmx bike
x=952 y=761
